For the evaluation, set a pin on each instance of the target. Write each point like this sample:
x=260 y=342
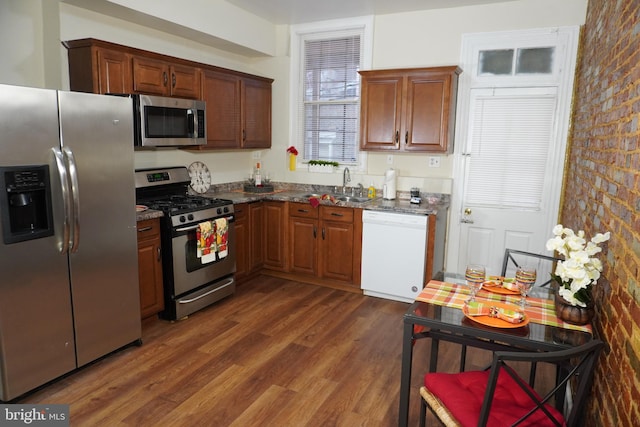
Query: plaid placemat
x=540 y=310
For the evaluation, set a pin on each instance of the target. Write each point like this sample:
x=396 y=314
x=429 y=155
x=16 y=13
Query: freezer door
x=97 y=138
x=36 y=327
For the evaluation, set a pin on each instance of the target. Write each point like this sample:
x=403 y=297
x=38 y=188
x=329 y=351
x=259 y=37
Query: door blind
x=510 y=137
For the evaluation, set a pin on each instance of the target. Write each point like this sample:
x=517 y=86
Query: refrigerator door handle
x=75 y=198
x=64 y=183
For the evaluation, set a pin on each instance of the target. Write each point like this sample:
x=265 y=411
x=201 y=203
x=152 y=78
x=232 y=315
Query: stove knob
x=226 y=209
x=182 y=218
x=190 y=217
x=219 y=211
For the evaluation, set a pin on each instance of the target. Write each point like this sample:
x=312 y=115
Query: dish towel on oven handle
x=222 y=237
x=206 y=241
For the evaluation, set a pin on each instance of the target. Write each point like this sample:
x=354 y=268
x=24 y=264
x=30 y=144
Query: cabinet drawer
x=303 y=210
x=331 y=213
x=148 y=228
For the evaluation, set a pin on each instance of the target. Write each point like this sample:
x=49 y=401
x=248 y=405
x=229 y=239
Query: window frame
x=318 y=31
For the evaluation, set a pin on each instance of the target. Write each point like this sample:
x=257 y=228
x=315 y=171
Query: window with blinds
x=329 y=106
x=510 y=137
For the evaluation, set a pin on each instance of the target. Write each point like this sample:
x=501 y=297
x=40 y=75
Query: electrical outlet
x=256 y=155
x=434 y=162
x=390 y=159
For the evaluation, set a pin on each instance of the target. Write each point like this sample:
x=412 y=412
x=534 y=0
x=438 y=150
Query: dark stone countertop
x=432 y=204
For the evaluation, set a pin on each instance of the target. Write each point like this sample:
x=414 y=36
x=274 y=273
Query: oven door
x=188 y=270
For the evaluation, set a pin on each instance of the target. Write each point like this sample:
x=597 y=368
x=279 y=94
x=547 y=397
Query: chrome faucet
x=346 y=178
x=360 y=190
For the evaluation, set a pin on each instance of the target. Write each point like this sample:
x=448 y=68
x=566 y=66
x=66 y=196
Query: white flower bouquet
x=580 y=269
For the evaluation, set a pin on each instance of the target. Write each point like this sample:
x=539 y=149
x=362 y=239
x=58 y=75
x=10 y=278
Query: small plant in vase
x=324 y=166
x=577 y=273
x=293 y=155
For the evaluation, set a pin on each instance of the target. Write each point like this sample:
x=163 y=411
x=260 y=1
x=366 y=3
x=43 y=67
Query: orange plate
x=141 y=208
x=496 y=287
x=496 y=322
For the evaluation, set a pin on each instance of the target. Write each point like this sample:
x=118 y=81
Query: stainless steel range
x=191 y=281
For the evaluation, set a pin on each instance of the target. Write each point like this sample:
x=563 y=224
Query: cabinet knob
x=165 y=77
x=397 y=138
x=406 y=137
x=159 y=253
x=173 y=80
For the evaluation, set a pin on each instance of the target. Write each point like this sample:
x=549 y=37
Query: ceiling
x=302 y=11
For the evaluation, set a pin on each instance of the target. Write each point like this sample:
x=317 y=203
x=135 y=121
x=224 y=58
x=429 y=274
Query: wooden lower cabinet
x=275 y=235
x=249 y=237
x=150 y=267
x=325 y=242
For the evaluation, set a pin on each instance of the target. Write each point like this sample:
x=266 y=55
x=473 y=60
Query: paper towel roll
x=389 y=187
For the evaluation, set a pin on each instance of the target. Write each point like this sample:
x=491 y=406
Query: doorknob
x=465 y=220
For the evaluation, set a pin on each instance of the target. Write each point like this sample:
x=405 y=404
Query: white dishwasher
x=393 y=254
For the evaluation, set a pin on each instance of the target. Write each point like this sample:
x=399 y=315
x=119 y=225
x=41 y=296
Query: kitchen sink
x=352 y=199
x=340 y=197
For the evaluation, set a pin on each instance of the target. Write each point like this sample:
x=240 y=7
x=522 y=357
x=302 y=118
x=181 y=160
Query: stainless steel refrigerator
x=68 y=256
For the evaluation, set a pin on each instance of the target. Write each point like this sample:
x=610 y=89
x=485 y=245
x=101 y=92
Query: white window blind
x=510 y=138
x=329 y=106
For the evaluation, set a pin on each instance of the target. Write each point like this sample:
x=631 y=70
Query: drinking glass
x=474 y=275
x=525 y=278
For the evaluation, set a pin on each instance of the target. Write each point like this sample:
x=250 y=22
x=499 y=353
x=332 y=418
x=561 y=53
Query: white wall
x=417 y=39
x=21 y=43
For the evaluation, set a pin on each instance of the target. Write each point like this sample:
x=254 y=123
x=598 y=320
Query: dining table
x=438 y=312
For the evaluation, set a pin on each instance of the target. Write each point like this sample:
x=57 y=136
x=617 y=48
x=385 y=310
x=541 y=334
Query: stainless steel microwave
x=168 y=122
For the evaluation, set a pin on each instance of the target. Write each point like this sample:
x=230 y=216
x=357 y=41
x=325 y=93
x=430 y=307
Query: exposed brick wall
x=602 y=193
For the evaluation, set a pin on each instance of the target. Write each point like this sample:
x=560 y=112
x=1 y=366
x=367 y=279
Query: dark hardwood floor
x=277 y=353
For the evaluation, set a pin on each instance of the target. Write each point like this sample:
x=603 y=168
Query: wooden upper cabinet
x=256 y=113
x=97 y=69
x=238 y=104
x=114 y=71
x=221 y=92
x=238 y=110
x=408 y=110
x=155 y=77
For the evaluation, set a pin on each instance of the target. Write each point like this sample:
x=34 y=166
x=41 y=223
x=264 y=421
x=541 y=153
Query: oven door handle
x=190 y=300
x=193 y=227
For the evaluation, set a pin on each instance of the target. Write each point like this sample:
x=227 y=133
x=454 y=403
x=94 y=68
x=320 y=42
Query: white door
x=508 y=198
x=513 y=118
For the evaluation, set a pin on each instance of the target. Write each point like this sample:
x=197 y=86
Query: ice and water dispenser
x=25 y=203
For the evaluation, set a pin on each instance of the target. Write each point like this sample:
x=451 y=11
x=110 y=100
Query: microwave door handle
x=75 y=197
x=66 y=199
x=193 y=122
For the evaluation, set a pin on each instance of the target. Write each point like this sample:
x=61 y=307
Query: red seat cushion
x=463 y=394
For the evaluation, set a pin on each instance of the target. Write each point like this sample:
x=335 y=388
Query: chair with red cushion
x=499 y=397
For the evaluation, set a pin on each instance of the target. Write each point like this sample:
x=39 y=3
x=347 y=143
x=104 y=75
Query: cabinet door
x=150 y=76
x=303 y=245
x=114 y=71
x=275 y=244
x=380 y=111
x=243 y=241
x=336 y=253
x=221 y=92
x=256 y=114
x=150 y=268
x=427 y=118
x=256 y=218
x=185 y=81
